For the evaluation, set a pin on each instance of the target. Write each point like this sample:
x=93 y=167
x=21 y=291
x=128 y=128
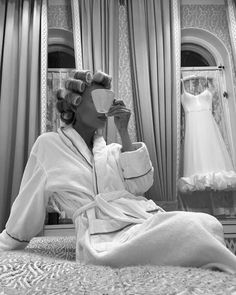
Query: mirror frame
x=76 y=34
x=44 y=67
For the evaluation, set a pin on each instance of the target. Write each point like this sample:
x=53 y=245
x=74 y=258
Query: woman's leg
x=173 y=238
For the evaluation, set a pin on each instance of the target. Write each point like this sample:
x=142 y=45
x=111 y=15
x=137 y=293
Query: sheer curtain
x=154 y=28
x=19 y=93
x=99 y=24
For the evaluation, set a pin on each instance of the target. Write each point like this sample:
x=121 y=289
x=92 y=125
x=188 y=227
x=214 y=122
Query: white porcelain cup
x=102 y=99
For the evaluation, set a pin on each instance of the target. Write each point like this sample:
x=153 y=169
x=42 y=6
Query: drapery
x=154 y=28
x=99 y=24
x=231 y=18
x=20 y=93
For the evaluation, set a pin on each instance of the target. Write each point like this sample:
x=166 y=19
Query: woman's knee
x=202 y=219
x=209 y=220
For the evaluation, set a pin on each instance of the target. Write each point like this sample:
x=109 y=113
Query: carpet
x=47 y=266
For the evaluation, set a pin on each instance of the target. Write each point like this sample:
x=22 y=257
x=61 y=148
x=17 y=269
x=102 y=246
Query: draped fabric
x=20 y=93
x=154 y=34
x=100 y=42
x=231 y=18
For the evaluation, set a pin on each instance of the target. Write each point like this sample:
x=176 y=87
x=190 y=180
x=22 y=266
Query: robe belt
x=102 y=202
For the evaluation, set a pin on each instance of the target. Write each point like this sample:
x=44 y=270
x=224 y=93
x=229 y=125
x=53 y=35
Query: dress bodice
x=196 y=103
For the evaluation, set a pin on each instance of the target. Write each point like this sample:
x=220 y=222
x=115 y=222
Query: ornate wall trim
x=76 y=34
x=44 y=66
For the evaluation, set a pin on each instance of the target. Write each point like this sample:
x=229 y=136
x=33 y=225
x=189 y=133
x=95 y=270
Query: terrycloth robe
x=102 y=192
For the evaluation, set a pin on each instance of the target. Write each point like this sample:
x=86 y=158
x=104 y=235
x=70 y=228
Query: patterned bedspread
x=47 y=266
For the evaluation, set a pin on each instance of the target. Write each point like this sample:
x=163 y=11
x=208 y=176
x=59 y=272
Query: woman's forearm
x=126 y=141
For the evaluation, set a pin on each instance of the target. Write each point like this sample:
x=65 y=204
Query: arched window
x=60 y=56
x=193 y=55
x=60 y=49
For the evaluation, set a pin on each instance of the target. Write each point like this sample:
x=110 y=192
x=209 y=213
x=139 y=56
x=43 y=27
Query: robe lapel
x=76 y=143
x=100 y=162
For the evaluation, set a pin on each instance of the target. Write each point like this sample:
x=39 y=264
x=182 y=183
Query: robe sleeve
x=29 y=208
x=137 y=169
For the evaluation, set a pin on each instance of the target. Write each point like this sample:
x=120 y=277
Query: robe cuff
x=9 y=243
x=135 y=163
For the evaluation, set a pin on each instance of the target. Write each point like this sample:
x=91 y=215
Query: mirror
x=60 y=55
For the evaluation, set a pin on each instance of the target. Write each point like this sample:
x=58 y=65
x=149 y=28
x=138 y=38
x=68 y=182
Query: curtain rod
x=189 y=69
x=61 y=70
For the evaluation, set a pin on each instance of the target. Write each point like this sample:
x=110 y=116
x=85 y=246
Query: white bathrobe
x=102 y=192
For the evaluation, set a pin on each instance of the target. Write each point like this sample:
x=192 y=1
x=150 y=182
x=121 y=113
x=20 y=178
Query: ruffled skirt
x=207 y=163
x=217 y=181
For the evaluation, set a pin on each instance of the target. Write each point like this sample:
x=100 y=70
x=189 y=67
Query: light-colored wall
x=212 y=18
x=59 y=14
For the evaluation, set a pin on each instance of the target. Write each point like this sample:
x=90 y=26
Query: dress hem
x=217 y=181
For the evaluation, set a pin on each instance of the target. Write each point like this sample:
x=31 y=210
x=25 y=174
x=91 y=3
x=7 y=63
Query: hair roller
x=60 y=106
x=73 y=99
x=67 y=117
x=63 y=105
x=84 y=75
x=61 y=93
x=102 y=78
x=75 y=85
x=76 y=101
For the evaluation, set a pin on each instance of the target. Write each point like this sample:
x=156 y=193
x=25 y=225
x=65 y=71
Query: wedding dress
x=207 y=164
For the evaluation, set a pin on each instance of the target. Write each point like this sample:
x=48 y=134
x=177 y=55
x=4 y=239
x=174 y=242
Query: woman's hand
x=121 y=118
x=121 y=115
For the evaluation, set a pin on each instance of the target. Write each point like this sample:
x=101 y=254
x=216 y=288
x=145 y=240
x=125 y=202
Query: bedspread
x=47 y=266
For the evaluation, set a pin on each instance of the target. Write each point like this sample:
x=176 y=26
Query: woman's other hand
x=121 y=115
x=121 y=118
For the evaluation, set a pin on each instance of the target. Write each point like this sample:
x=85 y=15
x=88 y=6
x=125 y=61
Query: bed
x=47 y=266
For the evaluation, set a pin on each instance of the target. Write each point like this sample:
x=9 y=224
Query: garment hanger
x=193 y=77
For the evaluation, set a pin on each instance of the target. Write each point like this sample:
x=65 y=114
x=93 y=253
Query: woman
x=100 y=187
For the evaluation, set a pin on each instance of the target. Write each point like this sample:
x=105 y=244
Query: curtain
x=154 y=28
x=99 y=24
x=19 y=93
x=223 y=203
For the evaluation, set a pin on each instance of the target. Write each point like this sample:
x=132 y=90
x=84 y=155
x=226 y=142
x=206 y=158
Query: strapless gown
x=207 y=163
